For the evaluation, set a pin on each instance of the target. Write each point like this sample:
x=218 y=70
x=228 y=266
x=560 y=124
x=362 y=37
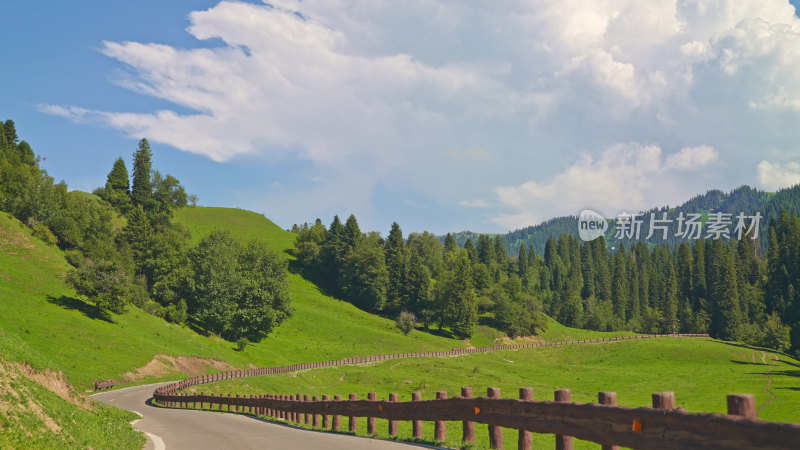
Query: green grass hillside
x=44 y=325
x=322 y=327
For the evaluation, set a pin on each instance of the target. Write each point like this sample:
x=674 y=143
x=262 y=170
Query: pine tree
x=138 y=233
x=352 y=234
x=485 y=250
x=699 y=277
x=522 y=265
x=500 y=253
x=26 y=155
x=396 y=265
x=3 y=142
x=726 y=319
x=416 y=290
x=332 y=254
x=587 y=269
x=469 y=247
x=11 y=133
x=683 y=268
x=450 y=245
x=619 y=284
x=118 y=177
x=142 y=191
x=461 y=311
x=602 y=283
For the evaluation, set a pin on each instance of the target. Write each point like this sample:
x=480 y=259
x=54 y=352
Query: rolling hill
x=47 y=334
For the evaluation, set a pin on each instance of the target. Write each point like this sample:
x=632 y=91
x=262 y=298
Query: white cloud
x=451 y=99
x=474 y=203
x=776 y=176
x=691 y=157
x=625 y=176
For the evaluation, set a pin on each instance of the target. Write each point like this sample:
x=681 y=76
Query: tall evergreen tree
x=485 y=250
x=683 y=272
x=352 y=235
x=726 y=319
x=364 y=276
x=522 y=265
x=118 y=177
x=450 y=245
x=699 y=277
x=3 y=142
x=138 y=234
x=26 y=155
x=396 y=266
x=416 y=290
x=587 y=269
x=11 y=133
x=500 y=253
x=461 y=310
x=332 y=254
x=620 y=288
x=472 y=253
x=142 y=191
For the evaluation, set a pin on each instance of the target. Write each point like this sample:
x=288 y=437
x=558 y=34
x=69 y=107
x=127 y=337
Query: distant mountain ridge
x=742 y=199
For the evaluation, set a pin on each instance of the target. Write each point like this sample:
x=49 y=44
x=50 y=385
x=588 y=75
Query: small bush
x=241 y=344
x=176 y=312
x=406 y=322
x=43 y=233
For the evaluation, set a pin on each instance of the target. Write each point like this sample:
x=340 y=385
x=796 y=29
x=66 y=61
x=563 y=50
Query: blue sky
x=441 y=115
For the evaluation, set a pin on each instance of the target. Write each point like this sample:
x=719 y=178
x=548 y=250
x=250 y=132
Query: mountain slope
x=742 y=199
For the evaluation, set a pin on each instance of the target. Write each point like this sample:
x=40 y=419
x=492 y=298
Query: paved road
x=197 y=430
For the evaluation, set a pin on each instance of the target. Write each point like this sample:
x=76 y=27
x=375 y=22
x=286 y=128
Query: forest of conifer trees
x=731 y=289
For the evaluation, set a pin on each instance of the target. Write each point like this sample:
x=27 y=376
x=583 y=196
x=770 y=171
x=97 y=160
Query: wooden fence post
x=325 y=418
x=237 y=408
x=525 y=441
x=664 y=400
x=353 y=422
x=202 y=405
x=495 y=432
x=336 y=418
x=299 y=416
x=440 y=426
x=742 y=405
x=563 y=442
x=468 y=428
x=282 y=412
x=416 y=425
x=307 y=398
x=317 y=417
x=608 y=399
x=392 y=423
x=372 y=428
x=229 y=403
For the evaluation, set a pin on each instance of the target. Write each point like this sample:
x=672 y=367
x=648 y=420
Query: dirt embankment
x=162 y=365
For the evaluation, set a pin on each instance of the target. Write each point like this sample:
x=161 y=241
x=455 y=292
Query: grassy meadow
x=46 y=326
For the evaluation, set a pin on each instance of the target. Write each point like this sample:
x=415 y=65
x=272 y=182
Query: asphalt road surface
x=182 y=429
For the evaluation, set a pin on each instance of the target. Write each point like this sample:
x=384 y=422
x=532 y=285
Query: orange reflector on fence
x=637 y=426
x=477 y=410
x=380 y=407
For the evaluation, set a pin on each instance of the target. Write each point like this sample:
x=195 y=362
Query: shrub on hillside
x=406 y=322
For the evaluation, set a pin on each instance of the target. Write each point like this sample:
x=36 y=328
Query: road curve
x=178 y=429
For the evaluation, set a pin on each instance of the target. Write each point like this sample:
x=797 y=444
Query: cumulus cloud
x=777 y=176
x=691 y=157
x=625 y=176
x=452 y=99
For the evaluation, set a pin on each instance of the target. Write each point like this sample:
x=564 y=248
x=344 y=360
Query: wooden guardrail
x=105 y=384
x=662 y=426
